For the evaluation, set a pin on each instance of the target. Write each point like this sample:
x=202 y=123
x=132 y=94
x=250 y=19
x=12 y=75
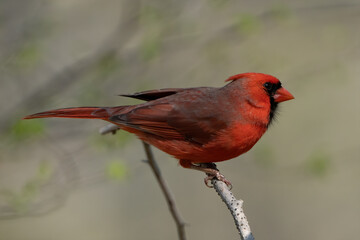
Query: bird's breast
x=235 y=141
x=227 y=144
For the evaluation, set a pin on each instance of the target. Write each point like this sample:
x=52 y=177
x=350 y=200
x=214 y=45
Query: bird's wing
x=154 y=94
x=168 y=121
x=152 y=119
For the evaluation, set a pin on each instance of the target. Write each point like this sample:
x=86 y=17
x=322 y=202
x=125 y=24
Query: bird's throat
x=273 y=110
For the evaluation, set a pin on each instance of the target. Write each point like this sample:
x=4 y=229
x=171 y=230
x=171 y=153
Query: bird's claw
x=219 y=177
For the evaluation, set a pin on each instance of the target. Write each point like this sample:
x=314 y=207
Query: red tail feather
x=78 y=112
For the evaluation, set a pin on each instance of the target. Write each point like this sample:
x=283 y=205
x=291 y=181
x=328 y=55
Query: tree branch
x=168 y=196
x=236 y=209
x=110 y=128
x=180 y=224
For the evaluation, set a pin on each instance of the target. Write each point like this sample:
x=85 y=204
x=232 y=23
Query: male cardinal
x=198 y=126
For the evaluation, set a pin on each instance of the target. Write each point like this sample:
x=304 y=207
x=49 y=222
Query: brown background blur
x=59 y=179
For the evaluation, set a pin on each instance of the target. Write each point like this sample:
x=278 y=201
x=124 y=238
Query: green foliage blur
x=21 y=200
x=22 y=130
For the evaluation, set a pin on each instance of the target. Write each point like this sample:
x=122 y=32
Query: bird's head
x=261 y=91
x=262 y=86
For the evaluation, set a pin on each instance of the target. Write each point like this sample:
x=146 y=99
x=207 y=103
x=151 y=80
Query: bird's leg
x=209 y=169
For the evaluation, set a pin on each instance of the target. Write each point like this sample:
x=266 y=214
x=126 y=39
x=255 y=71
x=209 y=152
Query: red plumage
x=196 y=125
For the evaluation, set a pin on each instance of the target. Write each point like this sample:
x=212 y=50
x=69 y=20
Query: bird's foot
x=217 y=176
x=213 y=173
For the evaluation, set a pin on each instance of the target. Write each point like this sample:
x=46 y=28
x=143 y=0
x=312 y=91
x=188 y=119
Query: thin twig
x=236 y=209
x=110 y=128
x=180 y=224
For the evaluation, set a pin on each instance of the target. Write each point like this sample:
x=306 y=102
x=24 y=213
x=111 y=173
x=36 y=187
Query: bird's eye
x=269 y=87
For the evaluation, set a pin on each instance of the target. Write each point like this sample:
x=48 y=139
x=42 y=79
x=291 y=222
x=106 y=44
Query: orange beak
x=282 y=95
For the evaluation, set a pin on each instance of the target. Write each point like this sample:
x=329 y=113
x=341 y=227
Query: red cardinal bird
x=196 y=125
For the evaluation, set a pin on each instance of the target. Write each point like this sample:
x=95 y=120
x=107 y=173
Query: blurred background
x=59 y=179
